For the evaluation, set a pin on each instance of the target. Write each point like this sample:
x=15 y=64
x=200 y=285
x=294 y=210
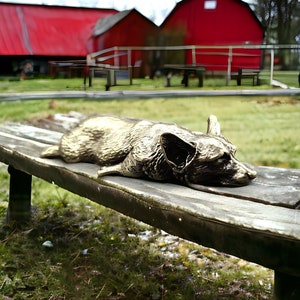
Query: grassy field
x=59 y=84
x=264 y=129
x=100 y=254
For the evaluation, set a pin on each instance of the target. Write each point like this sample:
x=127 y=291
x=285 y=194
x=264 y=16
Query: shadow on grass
x=96 y=253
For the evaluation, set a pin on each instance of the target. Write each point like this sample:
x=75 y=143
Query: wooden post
x=286 y=287
x=168 y=78
x=194 y=59
x=111 y=79
x=19 y=207
x=228 y=77
x=239 y=77
x=271 y=66
x=85 y=75
x=91 y=73
x=200 y=73
x=185 y=80
x=129 y=64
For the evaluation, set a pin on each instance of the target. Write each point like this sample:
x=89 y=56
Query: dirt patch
x=278 y=100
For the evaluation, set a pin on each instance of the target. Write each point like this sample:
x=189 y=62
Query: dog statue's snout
x=250 y=171
x=252 y=174
x=246 y=174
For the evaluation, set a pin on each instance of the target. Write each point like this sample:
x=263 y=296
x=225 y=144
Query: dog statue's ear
x=213 y=126
x=177 y=152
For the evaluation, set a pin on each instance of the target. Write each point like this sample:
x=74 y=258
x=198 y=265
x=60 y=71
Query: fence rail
x=227 y=58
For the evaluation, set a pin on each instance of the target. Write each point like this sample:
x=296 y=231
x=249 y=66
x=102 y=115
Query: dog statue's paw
x=108 y=170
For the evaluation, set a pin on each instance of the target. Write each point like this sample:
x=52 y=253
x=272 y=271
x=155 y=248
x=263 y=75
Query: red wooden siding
x=228 y=22
x=128 y=29
x=133 y=29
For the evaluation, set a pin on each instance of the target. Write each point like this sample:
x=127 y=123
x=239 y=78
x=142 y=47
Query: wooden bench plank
x=265 y=234
x=275 y=186
x=226 y=224
x=178 y=195
x=30 y=132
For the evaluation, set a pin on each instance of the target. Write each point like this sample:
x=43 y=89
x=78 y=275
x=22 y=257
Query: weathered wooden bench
x=247 y=73
x=259 y=222
x=242 y=73
x=187 y=70
x=111 y=78
x=111 y=73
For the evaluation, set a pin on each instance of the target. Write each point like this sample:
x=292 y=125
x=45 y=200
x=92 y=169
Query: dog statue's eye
x=223 y=159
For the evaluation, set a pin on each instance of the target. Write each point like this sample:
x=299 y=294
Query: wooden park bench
x=187 y=70
x=242 y=73
x=111 y=76
x=259 y=222
x=111 y=73
x=247 y=73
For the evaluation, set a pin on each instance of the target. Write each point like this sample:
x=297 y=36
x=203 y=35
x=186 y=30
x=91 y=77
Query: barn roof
x=106 y=23
x=47 y=30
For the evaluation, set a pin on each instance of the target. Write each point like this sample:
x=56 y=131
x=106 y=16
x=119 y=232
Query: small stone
x=85 y=251
x=48 y=244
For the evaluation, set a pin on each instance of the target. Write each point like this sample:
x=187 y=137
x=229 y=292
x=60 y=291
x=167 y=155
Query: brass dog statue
x=154 y=150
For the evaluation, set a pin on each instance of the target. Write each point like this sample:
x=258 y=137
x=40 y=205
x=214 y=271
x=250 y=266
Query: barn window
x=210 y=4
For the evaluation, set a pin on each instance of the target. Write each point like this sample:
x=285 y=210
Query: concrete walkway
x=145 y=94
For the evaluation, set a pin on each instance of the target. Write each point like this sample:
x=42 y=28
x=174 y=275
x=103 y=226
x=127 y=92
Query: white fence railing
x=222 y=57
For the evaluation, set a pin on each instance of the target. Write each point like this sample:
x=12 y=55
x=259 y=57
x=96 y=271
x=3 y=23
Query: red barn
x=127 y=28
x=40 y=32
x=216 y=23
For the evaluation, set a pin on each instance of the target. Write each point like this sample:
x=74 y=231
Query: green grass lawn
x=100 y=254
x=265 y=130
x=288 y=77
x=8 y=85
x=76 y=84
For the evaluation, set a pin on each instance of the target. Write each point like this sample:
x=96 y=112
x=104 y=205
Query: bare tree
x=281 y=21
x=285 y=12
x=266 y=13
x=277 y=17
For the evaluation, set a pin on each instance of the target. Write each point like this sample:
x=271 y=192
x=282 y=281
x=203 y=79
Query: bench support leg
x=185 y=80
x=200 y=78
x=168 y=80
x=286 y=287
x=19 y=207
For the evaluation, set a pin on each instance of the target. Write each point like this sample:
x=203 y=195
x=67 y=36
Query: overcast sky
x=156 y=10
